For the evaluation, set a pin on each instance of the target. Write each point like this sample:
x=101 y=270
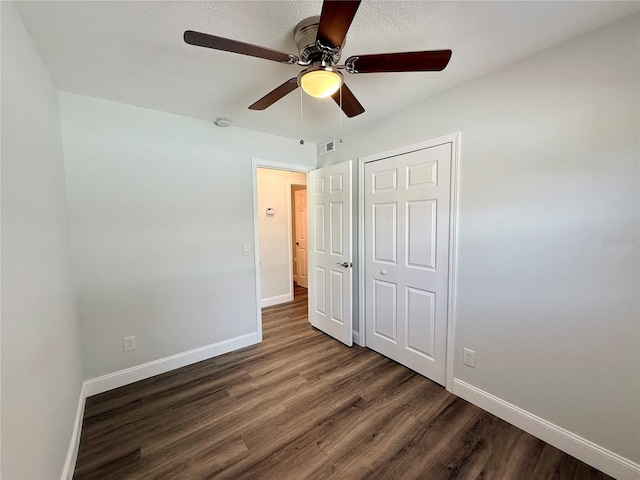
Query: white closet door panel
x=407 y=200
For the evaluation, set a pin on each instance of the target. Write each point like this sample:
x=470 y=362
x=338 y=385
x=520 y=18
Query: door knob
x=383 y=272
x=298 y=243
x=345 y=264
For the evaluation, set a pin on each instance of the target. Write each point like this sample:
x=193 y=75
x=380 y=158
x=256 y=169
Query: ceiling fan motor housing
x=304 y=36
x=320 y=40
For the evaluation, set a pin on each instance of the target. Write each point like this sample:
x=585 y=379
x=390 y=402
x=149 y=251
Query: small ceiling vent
x=327 y=147
x=222 y=122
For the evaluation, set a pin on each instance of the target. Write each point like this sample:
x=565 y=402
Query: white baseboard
x=267 y=302
x=72 y=454
x=356 y=338
x=156 y=367
x=140 y=372
x=592 y=454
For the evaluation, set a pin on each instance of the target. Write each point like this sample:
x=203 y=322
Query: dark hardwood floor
x=300 y=405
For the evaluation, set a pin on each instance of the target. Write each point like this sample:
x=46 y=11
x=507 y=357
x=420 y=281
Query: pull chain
x=301 y=120
x=340 y=116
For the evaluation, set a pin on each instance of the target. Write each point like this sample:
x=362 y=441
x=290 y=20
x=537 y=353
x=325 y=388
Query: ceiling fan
x=320 y=41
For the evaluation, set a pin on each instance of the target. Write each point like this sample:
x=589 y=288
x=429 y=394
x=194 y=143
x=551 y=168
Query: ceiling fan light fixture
x=320 y=82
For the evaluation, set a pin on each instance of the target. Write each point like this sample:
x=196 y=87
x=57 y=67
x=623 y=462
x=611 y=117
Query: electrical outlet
x=129 y=343
x=469 y=358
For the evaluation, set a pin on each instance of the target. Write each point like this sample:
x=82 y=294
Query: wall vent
x=326 y=147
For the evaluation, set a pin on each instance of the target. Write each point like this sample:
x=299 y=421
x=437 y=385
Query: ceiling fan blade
x=335 y=19
x=228 y=45
x=276 y=94
x=428 y=61
x=350 y=104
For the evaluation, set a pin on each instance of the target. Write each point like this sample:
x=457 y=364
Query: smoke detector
x=222 y=122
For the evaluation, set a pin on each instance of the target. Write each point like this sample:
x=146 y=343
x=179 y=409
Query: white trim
x=454 y=139
x=256 y=248
x=278 y=299
x=290 y=232
x=162 y=365
x=74 y=444
x=361 y=246
x=255 y=164
x=290 y=254
x=140 y=372
x=414 y=147
x=356 y=338
x=453 y=261
x=598 y=457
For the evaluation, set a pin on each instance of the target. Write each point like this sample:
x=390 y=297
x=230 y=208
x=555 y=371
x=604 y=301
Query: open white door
x=330 y=269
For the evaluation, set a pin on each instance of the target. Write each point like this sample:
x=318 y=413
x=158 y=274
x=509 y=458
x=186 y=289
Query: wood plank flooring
x=302 y=406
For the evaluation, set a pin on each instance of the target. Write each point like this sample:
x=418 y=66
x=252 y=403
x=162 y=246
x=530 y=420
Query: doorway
x=272 y=221
x=331 y=244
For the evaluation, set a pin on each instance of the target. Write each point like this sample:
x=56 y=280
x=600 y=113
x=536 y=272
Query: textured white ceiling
x=133 y=52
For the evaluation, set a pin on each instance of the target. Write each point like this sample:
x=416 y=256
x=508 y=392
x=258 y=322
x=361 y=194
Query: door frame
x=290 y=167
x=291 y=213
x=454 y=139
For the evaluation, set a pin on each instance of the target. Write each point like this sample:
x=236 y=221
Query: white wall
x=160 y=206
x=549 y=171
x=274 y=190
x=41 y=371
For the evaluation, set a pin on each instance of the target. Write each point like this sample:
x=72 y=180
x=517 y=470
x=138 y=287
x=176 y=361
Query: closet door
x=407 y=200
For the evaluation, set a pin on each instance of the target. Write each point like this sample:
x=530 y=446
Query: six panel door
x=330 y=243
x=406 y=258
